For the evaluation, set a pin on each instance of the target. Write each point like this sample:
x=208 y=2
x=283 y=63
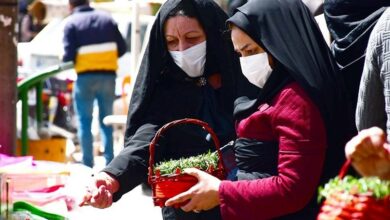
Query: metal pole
x=8 y=42
x=24 y=135
x=39 y=103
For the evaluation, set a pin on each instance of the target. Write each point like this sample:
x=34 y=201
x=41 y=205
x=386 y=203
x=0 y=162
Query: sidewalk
x=133 y=205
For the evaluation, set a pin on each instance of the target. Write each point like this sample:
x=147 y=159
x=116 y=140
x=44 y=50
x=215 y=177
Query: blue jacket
x=92 y=40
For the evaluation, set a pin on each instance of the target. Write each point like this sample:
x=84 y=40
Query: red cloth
x=295 y=122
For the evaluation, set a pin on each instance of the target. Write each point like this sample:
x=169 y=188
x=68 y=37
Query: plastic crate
x=53 y=149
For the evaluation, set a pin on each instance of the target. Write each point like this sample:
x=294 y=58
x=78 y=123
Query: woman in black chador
x=350 y=24
x=300 y=118
x=189 y=70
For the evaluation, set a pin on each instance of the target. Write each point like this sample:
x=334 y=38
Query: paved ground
x=134 y=205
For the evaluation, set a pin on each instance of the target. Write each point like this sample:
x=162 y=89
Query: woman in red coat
x=291 y=137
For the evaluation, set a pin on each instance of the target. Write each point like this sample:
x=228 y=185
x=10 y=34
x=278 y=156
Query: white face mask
x=256 y=68
x=191 y=60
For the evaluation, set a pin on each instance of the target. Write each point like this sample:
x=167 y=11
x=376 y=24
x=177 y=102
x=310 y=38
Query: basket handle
x=203 y=124
x=344 y=168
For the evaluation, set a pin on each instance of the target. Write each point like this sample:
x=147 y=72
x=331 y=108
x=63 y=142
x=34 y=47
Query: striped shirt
x=373 y=107
x=92 y=41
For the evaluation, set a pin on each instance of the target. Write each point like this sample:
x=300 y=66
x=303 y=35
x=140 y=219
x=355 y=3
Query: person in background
x=93 y=42
x=22 y=12
x=189 y=70
x=315 y=6
x=369 y=153
x=369 y=150
x=299 y=122
x=350 y=24
x=22 y=7
x=32 y=22
x=373 y=107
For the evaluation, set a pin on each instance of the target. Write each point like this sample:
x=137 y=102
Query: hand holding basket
x=351 y=198
x=167 y=186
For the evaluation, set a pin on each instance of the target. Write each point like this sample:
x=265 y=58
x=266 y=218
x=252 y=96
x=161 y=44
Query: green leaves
x=349 y=184
x=202 y=162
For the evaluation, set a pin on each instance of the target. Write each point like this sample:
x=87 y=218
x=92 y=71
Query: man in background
x=93 y=42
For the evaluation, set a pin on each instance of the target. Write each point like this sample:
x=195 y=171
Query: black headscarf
x=163 y=92
x=233 y=4
x=350 y=23
x=149 y=100
x=287 y=31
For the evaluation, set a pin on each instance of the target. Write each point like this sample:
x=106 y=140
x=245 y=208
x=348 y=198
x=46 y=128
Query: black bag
x=248 y=159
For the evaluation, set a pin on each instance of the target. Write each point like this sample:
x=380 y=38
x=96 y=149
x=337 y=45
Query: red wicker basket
x=167 y=186
x=341 y=205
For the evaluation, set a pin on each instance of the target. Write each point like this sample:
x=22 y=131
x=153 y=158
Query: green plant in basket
x=374 y=186
x=365 y=198
x=203 y=162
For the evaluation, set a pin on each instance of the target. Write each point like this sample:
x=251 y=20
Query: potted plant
x=167 y=178
x=207 y=162
x=355 y=198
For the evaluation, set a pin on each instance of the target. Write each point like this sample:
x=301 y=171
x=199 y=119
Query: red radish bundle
x=347 y=197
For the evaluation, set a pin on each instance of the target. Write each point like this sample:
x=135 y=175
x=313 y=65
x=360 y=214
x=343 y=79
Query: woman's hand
x=369 y=153
x=202 y=196
x=99 y=193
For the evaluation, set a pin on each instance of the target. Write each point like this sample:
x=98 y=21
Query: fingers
x=187 y=195
x=374 y=143
x=368 y=142
x=105 y=199
x=108 y=181
x=192 y=205
x=193 y=172
x=201 y=196
x=86 y=198
x=101 y=198
x=99 y=193
x=350 y=148
x=98 y=198
x=182 y=197
x=362 y=149
x=378 y=135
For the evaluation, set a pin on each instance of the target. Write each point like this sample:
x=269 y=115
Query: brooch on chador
x=202 y=81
